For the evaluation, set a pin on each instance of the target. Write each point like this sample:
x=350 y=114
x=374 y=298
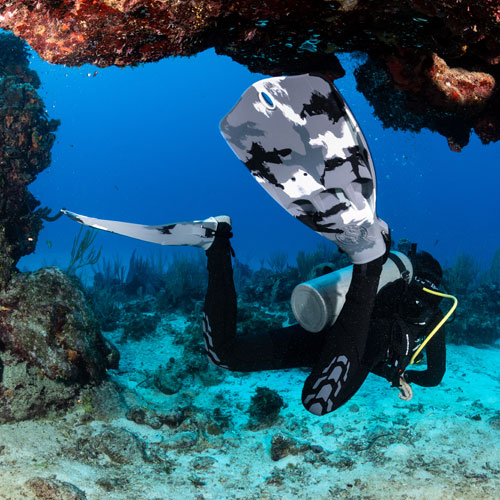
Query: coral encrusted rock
x=438 y=56
x=50 y=345
x=26 y=137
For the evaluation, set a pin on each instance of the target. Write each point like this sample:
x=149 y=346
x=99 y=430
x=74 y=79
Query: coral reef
x=439 y=59
x=477 y=319
x=26 y=137
x=129 y=437
x=38 y=355
x=134 y=298
x=198 y=450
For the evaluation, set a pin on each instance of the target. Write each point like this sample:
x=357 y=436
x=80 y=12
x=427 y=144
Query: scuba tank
x=317 y=303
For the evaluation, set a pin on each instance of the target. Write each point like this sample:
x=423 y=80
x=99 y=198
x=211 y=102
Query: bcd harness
x=405 y=347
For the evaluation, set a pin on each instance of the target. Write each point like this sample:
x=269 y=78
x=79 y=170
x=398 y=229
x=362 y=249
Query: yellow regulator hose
x=439 y=325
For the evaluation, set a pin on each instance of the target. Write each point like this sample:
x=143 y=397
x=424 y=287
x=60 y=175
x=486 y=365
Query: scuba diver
x=301 y=142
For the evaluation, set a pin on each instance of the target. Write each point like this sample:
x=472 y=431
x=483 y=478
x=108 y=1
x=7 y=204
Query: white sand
x=440 y=445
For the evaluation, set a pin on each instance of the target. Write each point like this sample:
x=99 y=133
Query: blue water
x=142 y=145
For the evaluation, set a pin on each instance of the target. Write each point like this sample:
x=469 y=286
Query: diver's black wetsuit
x=341 y=356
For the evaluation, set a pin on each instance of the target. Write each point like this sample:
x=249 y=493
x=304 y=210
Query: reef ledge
x=436 y=61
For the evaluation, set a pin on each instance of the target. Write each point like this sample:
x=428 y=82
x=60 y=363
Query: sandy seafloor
x=444 y=444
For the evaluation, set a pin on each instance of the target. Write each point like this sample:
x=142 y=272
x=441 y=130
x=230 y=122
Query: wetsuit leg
x=341 y=369
x=250 y=351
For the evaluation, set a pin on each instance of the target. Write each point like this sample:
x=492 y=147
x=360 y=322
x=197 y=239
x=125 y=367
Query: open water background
x=143 y=145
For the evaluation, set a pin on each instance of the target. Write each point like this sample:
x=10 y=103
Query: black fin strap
x=227 y=235
x=216 y=235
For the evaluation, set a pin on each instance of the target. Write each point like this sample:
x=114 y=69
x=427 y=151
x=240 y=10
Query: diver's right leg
x=250 y=351
x=219 y=314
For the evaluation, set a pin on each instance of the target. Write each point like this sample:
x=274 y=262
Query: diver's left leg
x=340 y=369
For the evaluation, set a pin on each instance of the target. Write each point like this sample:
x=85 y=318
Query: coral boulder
x=50 y=344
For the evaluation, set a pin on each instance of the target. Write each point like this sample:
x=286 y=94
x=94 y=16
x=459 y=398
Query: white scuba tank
x=317 y=303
